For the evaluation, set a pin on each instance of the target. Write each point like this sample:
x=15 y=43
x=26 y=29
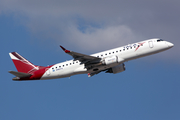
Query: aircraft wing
x=81 y=57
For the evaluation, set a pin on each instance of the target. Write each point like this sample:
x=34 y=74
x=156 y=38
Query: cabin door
x=151 y=44
x=48 y=72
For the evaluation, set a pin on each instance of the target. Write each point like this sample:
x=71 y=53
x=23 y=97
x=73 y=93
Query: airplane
x=110 y=61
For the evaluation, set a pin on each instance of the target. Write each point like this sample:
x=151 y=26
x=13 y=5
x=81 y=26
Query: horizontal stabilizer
x=20 y=74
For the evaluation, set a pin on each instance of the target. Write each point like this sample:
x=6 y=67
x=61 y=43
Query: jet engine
x=116 y=69
x=111 y=60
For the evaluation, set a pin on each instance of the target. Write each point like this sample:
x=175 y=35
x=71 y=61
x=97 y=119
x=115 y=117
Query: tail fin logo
x=22 y=65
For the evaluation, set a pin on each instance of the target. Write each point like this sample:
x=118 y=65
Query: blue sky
x=148 y=89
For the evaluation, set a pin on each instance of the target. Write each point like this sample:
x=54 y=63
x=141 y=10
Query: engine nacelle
x=110 y=60
x=117 y=69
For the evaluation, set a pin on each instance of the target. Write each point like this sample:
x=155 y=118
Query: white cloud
x=100 y=38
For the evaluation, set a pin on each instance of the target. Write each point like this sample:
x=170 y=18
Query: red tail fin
x=22 y=65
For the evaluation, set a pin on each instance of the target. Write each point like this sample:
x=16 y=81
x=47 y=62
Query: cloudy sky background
x=35 y=29
x=87 y=25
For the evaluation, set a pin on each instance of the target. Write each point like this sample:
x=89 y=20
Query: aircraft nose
x=170 y=44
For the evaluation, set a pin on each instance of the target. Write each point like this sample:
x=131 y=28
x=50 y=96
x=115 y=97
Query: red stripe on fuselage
x=36 y=75
x=39 y=73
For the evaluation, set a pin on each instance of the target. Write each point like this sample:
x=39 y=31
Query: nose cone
x=170 y=44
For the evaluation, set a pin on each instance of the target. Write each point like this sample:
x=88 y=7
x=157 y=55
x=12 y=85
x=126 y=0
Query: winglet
x=66 y=51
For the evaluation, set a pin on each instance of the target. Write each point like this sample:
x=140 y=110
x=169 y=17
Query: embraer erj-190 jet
x=110 y=61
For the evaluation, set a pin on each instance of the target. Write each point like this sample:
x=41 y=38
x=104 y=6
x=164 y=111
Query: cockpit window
x=160 y=40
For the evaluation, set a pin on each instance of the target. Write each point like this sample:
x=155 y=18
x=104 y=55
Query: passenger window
x=105 y=54
x=101 y=55
x=116 y=51
x=113 y=52
x=63 y=65
x=109 y=53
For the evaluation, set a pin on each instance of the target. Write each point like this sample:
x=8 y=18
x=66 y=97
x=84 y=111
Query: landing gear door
x=151 y=44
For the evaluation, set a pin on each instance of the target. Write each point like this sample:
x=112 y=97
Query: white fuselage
x=124 y=53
